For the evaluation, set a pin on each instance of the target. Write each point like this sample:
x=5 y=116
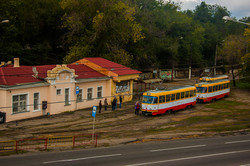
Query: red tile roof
x=17 y=75
x=24 y=74
x=112 y=66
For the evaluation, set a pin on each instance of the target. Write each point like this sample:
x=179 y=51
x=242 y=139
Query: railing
x=38 y=144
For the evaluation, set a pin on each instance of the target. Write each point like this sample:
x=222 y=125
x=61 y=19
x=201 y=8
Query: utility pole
x=215 y=59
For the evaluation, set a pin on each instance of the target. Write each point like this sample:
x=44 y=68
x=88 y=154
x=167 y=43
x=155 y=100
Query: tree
x=233 y=48
x=245 y=60
x=33 y=33
x=100 y=28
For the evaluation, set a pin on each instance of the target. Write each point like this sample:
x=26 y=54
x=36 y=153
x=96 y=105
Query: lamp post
x=4 y=21
x=227 y=18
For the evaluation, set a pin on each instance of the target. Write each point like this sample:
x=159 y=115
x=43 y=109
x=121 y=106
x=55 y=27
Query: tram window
x=225 y=86
x=214 y=88
x=218 y=87
x=187 y=94
x=191 y=93
x=172 y=97
x=162 y=99
x=182 y=95
x=155 y=100
x=167 y=98
x=178 y=96
x=210 y=89
x=221 y=87
x=194 y=92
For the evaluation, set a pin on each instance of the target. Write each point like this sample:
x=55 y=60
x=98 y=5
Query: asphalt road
x=221 y=151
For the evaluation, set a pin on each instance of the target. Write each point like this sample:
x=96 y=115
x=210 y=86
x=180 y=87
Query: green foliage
x=224 y=104
x=234 y=47
x=33 y=31
x=100 y=28
x=138 y=33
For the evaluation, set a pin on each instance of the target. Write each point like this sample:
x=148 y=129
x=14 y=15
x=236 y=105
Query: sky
x=238 y=8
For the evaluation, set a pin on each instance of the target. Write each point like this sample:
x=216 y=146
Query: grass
x=224 y=104
x=242 y=84
x=232 y=127
x=200 y=119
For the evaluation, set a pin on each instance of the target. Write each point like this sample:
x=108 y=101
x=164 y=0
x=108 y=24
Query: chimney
x=16 y=62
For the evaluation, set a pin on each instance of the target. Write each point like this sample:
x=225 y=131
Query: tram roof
x=171 y=89
x=213 y=78
x=212 y=82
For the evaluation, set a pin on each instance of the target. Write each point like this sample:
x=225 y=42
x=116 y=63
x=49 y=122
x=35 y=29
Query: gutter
x=22 y=86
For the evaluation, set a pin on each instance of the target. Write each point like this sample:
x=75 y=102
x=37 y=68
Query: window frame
x=92 y=92
x=38 y=102
x=81 y=96
x=177 y=96
x=97 y=93
x=162 y=99
x=66 y=102
x=60 y=92
x=26 y=104
x=169 y=98
x=172 y=97
x=182 y=95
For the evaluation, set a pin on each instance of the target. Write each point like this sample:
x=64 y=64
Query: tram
x=162 y=101
x=212 y=90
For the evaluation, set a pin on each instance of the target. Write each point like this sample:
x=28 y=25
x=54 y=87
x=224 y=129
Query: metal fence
x=38 y=144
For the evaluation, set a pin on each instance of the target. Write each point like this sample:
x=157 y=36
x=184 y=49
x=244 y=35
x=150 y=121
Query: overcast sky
x=238 y=8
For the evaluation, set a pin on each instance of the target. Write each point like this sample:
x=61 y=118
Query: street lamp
x=227 y=18
x=4 y=21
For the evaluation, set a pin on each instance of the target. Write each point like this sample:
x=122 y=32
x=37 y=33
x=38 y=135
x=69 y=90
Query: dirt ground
x=122 y=125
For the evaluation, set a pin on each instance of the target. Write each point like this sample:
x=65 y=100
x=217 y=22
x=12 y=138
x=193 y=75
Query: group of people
x=114 y=105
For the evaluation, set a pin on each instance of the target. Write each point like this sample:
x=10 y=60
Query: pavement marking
x=245 y=165
x=77 y=159
x=234 y=142
x=189 y=158
x=184 y=147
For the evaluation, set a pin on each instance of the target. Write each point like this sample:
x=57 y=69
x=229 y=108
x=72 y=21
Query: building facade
x=32 y=91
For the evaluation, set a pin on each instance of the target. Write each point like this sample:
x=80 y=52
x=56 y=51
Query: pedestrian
x=115 y=102
x=120 y=101
x=100 y=106
x=137 y=108
x=105 y=104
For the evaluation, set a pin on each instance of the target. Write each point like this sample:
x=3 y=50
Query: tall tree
x=233 y=48
x=100 y=28
x=33 y=33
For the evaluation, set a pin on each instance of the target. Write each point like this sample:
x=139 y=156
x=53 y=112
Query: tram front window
x=201 y=90
x=150 y=100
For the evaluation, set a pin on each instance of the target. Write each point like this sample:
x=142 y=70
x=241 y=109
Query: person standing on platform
x=100 y=106
x=105 y=104
x=120 y=101
x=137 y=108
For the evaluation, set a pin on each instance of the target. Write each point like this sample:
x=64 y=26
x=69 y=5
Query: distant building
x=32 y=91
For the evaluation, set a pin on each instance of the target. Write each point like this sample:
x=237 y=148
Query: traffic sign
x=77 y=90
x=94 y=111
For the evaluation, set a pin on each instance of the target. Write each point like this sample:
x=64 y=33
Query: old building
x=32 y=91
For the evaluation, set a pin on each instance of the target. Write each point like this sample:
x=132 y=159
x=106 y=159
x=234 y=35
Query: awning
x=150 y=81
